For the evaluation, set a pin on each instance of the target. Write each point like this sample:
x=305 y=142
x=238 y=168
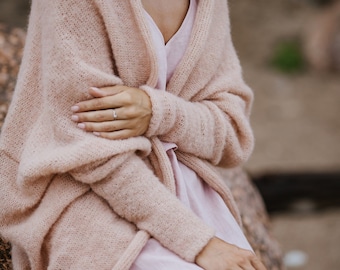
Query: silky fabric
x=190 y=189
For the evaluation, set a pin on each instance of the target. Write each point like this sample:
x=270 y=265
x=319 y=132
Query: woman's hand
x=219 y=255
x=117 y=112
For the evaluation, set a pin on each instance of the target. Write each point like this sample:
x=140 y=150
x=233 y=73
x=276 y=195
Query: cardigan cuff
x=137 y=195
x=192 y=248
x=162 y=112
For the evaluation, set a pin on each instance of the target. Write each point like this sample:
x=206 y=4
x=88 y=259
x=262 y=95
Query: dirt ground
x=315 y=234
x=295 y=117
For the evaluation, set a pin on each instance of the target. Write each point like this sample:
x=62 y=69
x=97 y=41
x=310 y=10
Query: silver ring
x=114 y=114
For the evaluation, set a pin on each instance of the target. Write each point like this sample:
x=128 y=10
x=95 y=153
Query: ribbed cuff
x=162 y=112
x=192 y=248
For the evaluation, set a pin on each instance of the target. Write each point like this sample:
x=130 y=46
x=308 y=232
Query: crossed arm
x=121 y=112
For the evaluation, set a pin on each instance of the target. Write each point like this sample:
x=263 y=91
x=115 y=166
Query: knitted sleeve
x=212 y=121
x=137 y=195
x=68 y=51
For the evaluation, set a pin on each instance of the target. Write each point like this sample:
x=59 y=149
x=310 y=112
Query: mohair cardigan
x=71 y=200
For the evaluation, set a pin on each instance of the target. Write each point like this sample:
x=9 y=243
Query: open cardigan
x=71 y=200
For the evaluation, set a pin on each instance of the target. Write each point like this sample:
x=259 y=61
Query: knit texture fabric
x=71 y=200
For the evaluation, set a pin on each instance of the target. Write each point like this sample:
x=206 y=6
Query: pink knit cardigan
x=71 y=200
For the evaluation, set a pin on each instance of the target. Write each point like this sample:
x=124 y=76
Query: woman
x=126 y=178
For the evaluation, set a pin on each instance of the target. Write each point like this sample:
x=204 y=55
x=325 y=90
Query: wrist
x=209 y=248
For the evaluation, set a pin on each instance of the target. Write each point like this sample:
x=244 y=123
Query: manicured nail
x=81 y=126
x=96 y=89
x=96 y=134
x=75 y=108
x=75 y=118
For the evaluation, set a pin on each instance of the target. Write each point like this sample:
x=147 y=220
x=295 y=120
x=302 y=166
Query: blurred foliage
x=288 y=57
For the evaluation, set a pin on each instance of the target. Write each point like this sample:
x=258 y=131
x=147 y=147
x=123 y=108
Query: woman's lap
x=206 y=204
x=155 y=256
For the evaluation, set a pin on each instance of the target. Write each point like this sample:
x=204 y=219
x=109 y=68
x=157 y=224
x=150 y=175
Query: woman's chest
x=168 y=15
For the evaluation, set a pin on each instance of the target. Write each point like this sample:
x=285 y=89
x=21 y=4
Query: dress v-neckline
x=179 y=29
x=199 y=35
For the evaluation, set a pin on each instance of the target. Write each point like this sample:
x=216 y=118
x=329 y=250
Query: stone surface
x=5 y=257
x=322 y=39
x=256 y=224
x=11 y=49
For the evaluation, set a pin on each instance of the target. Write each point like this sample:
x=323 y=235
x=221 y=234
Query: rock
x=322 y=39
x=11 y=50
x=5 y=256
x=256 y=223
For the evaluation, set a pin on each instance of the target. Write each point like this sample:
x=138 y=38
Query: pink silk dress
x=190 y=189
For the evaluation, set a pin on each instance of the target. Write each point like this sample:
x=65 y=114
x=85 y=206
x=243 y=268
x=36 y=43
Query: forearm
x=217 y=130
x=136 y=194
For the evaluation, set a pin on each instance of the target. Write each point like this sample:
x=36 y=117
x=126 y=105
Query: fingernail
x=74 y=108
x=81 y=126
x=96 y=89
x=75 y=118
x=96 y=134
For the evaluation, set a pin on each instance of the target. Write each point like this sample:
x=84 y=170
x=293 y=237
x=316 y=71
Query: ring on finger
x=114 y=114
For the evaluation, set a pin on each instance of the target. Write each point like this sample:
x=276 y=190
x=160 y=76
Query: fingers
x=114 y=112
x=111 y=120
x=113 y=130
x=100 y=103
x=123 y=113
x=116 y=129
x=117 y=135
x=106 y=91
x=114 y=125
x=100 y=116
x=258 y=265
x=250 y=261
x=110 y=97
x=219 y=255
x=108 y=126
x=244 y=261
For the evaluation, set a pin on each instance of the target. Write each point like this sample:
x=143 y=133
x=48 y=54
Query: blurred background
x=290 y=53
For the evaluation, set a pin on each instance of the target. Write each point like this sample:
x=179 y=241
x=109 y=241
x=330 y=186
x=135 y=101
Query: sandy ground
x=295 y=117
